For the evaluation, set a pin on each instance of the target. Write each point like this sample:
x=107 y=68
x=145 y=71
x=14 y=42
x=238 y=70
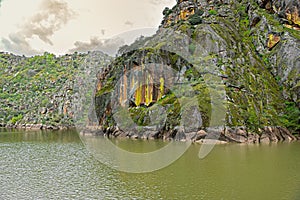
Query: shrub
x=196 y=18
x=291 y=118
x=212 y=12
x=167 y=11
x=15 y=119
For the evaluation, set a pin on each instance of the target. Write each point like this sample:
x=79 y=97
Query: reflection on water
x=14 y=135
x=56 y=165
x=141 y=157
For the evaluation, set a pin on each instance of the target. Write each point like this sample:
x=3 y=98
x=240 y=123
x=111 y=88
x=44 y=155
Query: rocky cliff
x=238 y=59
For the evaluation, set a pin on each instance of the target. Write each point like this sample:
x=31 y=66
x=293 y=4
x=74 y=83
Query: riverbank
x=37 y=127
x=222 y=135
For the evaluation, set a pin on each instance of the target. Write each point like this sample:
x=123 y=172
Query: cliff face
x=253 y=47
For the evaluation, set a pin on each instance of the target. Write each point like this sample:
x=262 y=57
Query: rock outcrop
x=254 y=48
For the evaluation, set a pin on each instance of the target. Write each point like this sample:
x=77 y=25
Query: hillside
x=39 y=92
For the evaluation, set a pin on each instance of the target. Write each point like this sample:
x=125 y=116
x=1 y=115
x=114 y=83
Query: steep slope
x=252 y=50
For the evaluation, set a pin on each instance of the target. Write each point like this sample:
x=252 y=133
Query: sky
x=63 y=26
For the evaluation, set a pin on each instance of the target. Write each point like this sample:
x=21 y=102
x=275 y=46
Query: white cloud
x=52 y=16
x=109 y=46
x=56 y=24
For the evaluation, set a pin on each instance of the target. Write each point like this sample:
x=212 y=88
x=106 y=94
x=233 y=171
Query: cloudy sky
x=61 y=26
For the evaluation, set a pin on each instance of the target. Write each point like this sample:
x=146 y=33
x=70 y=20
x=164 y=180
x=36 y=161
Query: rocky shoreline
x=37 y=127
x=222 y=135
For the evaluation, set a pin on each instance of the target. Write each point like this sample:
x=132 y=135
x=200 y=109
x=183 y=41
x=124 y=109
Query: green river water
x=56 y=165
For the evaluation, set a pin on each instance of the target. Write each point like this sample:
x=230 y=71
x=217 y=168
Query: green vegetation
x=291 y=117
x=212 y=12
x=167 y=11
x=196 y=18
x=16 y=119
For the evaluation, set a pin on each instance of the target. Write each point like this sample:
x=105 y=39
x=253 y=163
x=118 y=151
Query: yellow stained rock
x=273 y=40
x=293 y=17
x=184 y=14
x=288 y=26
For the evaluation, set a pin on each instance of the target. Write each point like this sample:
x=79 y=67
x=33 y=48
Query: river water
x=56 y=165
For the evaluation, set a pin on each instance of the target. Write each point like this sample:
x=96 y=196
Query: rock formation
x=254 y=46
